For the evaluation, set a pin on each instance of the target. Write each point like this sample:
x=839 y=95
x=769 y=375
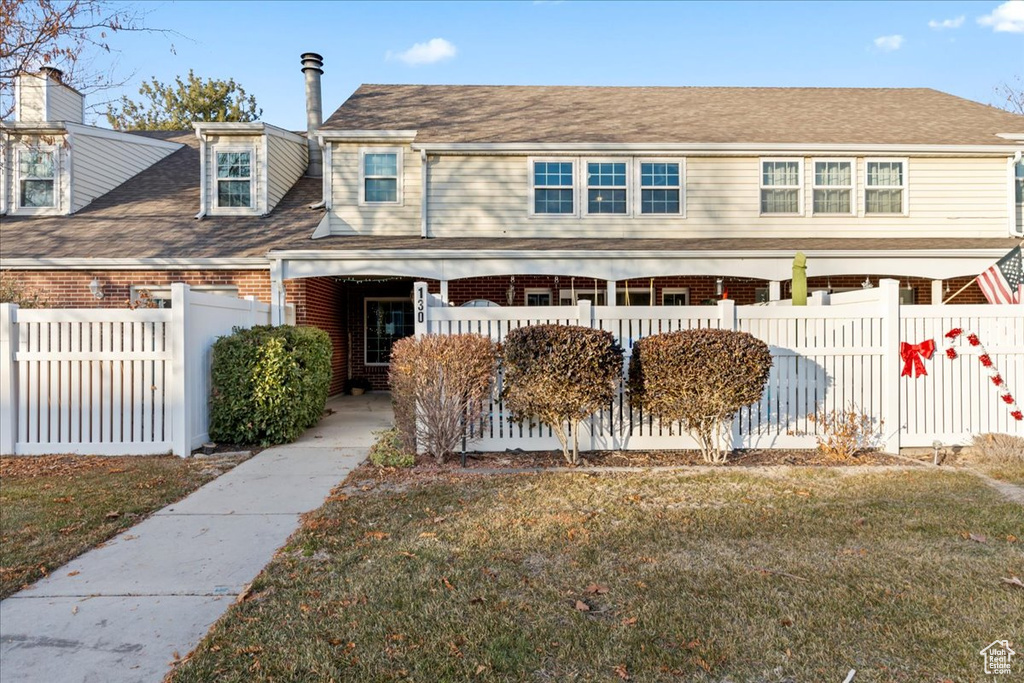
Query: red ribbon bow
x=911 y=354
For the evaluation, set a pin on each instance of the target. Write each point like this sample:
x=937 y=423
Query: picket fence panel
x=114 y=381
x=840 y=353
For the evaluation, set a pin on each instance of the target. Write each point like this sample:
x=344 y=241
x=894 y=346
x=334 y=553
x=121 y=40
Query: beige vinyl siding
x=31 y=99
x=348 y=218
x=287 y=163
x=480 y=195
x=101 y=164
x=65 y=104
x=255 y=142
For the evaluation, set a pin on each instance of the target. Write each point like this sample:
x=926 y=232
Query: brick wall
x=320 y=302
x=70 y=288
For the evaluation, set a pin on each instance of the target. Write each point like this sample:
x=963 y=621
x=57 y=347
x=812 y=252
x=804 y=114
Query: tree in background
x=1011 y=95
x=176 y=106
x=67 y=35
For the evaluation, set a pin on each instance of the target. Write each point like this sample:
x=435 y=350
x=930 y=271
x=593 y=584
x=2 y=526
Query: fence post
x=181 y=435
x=421 y=306
x=584 y=313
x=8 y=379
x=727 y=314
x=253 y=322
x=889 y=299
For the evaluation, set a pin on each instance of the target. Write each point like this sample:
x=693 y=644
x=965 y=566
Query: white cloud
x=433 y=51
x=946 y=23
x=889 y=43
x=1007 y=18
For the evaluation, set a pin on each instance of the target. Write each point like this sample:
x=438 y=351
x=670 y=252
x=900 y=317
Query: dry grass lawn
x=786 y=574
x=54 y=508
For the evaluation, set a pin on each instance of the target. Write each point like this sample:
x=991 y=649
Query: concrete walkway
x=122 y=612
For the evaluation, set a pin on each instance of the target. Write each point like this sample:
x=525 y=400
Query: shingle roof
x=152 y=216
x=567 y=114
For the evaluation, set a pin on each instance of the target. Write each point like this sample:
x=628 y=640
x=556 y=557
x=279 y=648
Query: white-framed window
x=782 y=187
x=832 y=187
x=233 y=178
x=552 y=187
x=159 y=296
x=385 y=321
x=885 y=186
x=380 y=176
x=36 y=189
x=569 y=297
x=538 y=296
x=675 y=296
x=607 y=187
x=661 y=187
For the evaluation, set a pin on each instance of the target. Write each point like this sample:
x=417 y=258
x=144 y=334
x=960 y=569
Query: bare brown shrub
x=844 y=434
x=699 y=378
x=1000 y=449
x=560 y=375
x=439 y=384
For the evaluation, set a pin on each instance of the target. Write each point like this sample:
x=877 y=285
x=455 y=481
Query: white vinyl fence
x=837 y=353
x=113 y=381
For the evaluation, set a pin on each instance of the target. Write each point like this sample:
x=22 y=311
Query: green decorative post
x=800 y=279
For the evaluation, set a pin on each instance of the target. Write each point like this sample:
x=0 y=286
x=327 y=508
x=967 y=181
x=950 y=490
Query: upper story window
x=553 y=187
x=37 y=178
x=833 y=186
x=606 y=187
x=885 y=185
x=381 y=176
x=675 y=296
x=661 y=187
x=234 y=179
x=781 y=186
x=538 y=297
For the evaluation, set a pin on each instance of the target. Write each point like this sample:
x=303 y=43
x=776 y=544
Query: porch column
x=610 y=298
x=936 y=292
x=444 y=292
x=774 y=290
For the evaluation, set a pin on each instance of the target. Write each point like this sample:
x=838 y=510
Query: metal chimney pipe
x=312 y=67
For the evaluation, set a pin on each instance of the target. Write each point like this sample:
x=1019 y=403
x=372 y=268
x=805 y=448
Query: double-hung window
x=553 y=187
x=661 y=187
x=234 y=179
x=37 y=178
x=885 y=186
x=781 y=186
x=381 y=176
x=606 y=187
x=833 y=186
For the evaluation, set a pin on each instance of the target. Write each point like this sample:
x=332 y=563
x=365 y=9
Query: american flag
x=1004 y=281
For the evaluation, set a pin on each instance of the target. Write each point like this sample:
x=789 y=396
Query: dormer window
x=37 y=178
x=234 y=179
x=381 y=172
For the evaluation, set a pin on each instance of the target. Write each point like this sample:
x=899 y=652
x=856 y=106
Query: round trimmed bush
x=269 y=384
x=699 y=378
x=560 y=375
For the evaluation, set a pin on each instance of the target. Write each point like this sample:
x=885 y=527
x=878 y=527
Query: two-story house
x=526 y=196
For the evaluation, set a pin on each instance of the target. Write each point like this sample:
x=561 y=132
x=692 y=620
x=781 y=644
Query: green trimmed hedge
x=269 y=384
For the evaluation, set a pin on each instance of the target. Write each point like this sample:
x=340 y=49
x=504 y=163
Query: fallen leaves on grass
x=1013 y=581
x=977 y=538
x=621 y=671
x=595 y=589
x=582 y=606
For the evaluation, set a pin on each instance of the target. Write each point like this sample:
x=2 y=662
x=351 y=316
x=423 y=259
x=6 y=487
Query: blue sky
x=966 y=48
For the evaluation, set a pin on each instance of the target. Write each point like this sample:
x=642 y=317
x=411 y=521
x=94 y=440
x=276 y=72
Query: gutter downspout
x=202 y=175
x=424 y=170
x=1011 y=194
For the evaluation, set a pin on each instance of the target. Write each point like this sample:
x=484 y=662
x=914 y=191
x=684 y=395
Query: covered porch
x=370 y=280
